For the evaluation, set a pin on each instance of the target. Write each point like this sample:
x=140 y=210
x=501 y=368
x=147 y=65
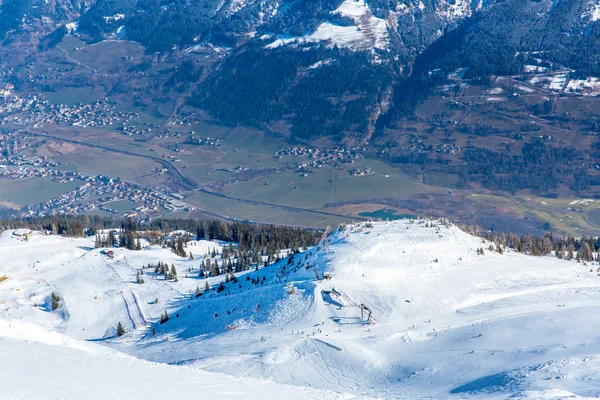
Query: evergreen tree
x=180 y=250
x=55 y=301
x=111 y=238
x=120 y=329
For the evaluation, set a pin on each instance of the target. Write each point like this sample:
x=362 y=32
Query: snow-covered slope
x=38 y=365
x=413 y=309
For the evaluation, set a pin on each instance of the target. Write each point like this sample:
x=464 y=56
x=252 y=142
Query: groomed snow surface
x=446 y=321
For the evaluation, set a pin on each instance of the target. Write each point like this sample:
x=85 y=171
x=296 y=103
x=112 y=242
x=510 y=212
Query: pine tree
x=216 y=270
x=55 y=301
x=206 y=286
x=164 y=317
x=120 y=330
x=180 y=250
x=198 y=292
x=111 y=238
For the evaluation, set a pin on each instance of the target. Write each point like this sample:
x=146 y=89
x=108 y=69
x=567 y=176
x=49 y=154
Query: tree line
x=249 y=237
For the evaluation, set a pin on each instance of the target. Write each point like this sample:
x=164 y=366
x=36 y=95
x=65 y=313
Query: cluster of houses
x=25 y=171
x=361 y=171
x=418 y=146
x=6 y=89
x=317 y=158
x=98 y=192
x=447 y=148
x=33 y=109
x=199 y=141
x=130 y=130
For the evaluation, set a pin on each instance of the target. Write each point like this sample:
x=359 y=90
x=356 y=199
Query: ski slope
x=412 y=310
x=37 y=365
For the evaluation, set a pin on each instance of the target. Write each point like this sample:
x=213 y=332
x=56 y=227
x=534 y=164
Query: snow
x=345 y=36
x=116 y=17
x=455 y=10
x=587 y=87
x=535 y=68
x=558 y=81
x=72 y=27
x=369 y=32
x=593 y=12
x=446 y=321
x=236 y=5
x=595 y=16
x=34 y=367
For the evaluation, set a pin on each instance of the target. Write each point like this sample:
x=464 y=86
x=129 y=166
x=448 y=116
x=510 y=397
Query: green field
x=262 y=213
x=73 y=95
x=386 y=214
x=121 y=206
x=329 y=184
x=593 y=217
x=104 y=162
x=28 y=192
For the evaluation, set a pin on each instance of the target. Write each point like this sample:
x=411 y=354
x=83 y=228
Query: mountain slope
x=37 y=364
x=439 y=309
x=413 y=308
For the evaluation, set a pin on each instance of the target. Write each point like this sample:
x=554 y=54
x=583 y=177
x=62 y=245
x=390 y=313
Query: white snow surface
x=446 y=322
x=369 y=32
x=37 y=364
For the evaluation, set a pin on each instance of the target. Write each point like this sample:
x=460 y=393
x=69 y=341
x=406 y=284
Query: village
x=95 y=192
x=32 y=109
x=318 y=158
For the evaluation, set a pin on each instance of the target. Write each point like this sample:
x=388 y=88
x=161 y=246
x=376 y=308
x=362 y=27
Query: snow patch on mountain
x=368 y=32
x=593 y=12
x=455 y=10
x=72 y=27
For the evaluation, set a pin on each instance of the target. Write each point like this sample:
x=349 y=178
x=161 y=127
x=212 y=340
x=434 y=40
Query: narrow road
x=191 y=185
x=176 y=173
x=287 y=208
